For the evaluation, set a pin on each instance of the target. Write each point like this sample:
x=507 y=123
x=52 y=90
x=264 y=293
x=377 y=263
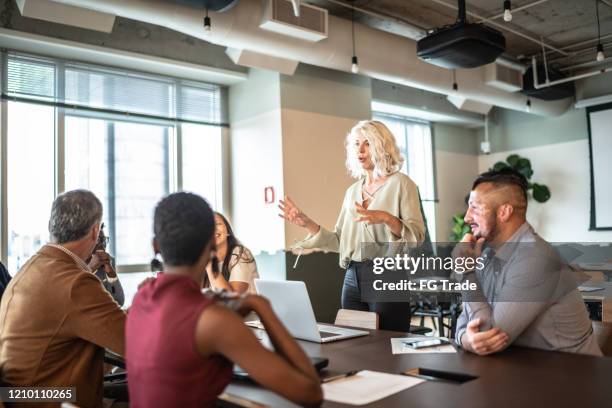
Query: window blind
x=91 y=87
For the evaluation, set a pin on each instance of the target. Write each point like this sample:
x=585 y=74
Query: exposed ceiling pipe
x=514 y=10
x=587 y=64
x=584 y=51
x=548 y=83
x=589 y=41
x=395 y=62
x=504 y=27
x=419 y=31
x=416 y=32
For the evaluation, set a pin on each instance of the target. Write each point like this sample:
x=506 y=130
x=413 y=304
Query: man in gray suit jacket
x=525 y=293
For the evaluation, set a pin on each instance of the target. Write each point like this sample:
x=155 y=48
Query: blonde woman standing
x=382 y=206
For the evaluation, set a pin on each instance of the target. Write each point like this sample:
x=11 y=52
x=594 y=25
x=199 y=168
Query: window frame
x=174 y=151
x=414 y=121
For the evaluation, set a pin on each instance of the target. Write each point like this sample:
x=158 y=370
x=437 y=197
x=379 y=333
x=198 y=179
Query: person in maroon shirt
x=180 y=343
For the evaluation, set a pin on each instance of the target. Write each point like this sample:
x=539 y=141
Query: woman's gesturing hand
x=370 y=216
x=379 y=217
x=294 y=215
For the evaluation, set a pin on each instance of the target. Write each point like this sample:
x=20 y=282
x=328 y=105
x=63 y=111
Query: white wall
x=456 y=160
x=314 y=170
x=564 y=168
x=256 y=160
x=455 y=173
x=257 y=164
x=559 y=154
x=319 y=108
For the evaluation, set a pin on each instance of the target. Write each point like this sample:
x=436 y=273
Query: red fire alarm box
x=269 y=195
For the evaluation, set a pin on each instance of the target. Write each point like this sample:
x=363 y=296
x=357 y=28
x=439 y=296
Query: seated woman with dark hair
x=237 y=266
x=180 y=344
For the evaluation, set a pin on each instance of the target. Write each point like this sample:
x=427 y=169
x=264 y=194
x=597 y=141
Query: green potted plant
x=539 y=192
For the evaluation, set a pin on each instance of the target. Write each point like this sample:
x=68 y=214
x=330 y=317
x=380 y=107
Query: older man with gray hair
x=56 y=318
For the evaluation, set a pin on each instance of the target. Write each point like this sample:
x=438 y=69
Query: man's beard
x=492 y=233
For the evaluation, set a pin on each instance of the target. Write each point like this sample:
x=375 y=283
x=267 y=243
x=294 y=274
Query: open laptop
x=292 y=305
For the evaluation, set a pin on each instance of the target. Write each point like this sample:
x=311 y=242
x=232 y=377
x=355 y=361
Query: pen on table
x=421 y=376
x=340 y=376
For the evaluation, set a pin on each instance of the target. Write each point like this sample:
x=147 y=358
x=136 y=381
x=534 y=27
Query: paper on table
x=398 y=347
x=366 y=387
x=589 y=288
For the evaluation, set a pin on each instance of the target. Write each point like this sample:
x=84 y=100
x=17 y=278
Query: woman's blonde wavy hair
x=383 y=149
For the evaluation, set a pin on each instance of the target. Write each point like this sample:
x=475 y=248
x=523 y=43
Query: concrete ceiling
x=560 y=23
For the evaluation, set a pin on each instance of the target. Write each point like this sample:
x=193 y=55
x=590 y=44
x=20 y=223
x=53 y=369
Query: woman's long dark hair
x=243 y=254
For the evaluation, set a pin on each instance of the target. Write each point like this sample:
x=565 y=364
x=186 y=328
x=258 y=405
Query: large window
x=30 y=185
x=202 y=164
x=127 y=166
x=131 y=138
x=415 y=142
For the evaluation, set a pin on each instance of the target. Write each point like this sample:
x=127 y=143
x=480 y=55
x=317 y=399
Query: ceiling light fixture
x=507 y=12
x=207 y=26
x=354 y=60
x=600 y=54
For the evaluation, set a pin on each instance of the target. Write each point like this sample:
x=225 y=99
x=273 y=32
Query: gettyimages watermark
x=441 y=272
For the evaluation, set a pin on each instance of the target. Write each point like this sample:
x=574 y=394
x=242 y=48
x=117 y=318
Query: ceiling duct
x=503 y=77
x=310 y=25
x=66 y=14
x=212 y=5
x=461 y=45
x=550 y=93
x=468 y=105
x=382 y=55
x=252 y=59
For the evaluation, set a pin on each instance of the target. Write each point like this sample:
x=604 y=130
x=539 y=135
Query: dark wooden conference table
x=517 y=377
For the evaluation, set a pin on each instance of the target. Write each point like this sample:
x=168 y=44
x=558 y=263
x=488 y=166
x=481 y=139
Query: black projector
x=462 y=45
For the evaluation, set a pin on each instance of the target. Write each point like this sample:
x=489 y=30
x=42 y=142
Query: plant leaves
x=513 y=159
x=458 y=218
x=499 y=166
x=523 y=166
x=541 y=193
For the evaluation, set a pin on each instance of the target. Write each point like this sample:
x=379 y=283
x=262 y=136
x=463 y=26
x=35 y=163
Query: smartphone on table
x=425 y=342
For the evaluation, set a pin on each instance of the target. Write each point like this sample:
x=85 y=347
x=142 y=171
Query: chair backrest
x=357 y=318
x=596 y=276
x=603 y=334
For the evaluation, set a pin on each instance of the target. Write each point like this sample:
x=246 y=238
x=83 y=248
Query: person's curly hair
x=383 y=149
x=183 y=226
